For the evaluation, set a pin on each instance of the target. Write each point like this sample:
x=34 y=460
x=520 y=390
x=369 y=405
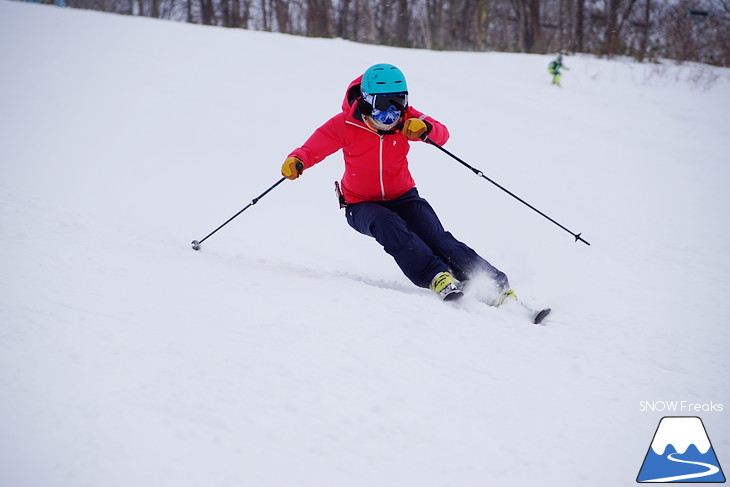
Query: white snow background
x=291 y=351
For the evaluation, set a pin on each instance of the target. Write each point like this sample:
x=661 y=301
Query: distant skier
x=374 y=130
x=554 y=68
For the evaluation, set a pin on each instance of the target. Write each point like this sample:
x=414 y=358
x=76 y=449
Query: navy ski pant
x=410 y=231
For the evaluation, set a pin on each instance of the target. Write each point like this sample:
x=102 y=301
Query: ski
x=541 y=315
x=537 y=316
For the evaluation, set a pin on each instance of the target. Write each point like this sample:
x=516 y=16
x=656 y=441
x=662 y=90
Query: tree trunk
x=644 y=45
x=580 y=12
x=528 y=19
x=206 y=12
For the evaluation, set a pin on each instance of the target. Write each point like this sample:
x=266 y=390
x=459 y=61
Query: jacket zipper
x=380 y=168
x=380 y=156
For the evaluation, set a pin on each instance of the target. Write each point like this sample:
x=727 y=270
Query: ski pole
x=196 y=243
x=481 y=174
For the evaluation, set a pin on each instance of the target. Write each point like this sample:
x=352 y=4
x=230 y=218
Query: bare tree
x=617 y=12
x=207 y=12
x=580 y=9
x=696 y=30
x=645 y=26
x=318 y=18
x=528 y=18
x=480 y=24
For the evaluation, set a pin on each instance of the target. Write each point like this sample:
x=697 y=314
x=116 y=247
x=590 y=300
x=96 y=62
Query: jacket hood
x=352 y=94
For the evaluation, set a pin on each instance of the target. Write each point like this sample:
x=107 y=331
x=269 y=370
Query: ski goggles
x=387 y=101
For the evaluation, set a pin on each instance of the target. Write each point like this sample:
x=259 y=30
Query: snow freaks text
x=680 y=407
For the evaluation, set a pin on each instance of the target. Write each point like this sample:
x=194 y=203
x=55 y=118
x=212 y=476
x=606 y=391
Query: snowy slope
x=290 y=350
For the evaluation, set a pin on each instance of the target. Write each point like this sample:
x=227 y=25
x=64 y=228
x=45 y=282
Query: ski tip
x=541 y=315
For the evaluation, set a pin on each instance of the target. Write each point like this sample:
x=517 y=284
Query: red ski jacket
x=376 y=163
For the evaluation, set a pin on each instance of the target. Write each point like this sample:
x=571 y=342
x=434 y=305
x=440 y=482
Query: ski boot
x=445 y=286
x=507 y=296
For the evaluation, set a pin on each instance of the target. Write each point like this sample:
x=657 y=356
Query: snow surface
x=291 y=350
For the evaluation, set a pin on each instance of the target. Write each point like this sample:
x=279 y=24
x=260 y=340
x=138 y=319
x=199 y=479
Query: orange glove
x=414 y=128
x=292 y=168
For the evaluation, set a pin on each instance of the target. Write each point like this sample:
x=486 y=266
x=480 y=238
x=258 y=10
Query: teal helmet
x=383 y=78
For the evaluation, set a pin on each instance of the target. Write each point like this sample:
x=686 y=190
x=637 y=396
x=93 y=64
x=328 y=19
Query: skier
x=554 y=68
x=374 y=130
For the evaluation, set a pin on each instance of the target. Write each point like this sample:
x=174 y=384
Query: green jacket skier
x=554 y=68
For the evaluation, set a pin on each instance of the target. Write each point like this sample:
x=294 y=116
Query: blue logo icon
x=681 y=452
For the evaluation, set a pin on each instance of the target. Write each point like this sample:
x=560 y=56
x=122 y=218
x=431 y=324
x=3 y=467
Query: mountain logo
x=681 y=452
